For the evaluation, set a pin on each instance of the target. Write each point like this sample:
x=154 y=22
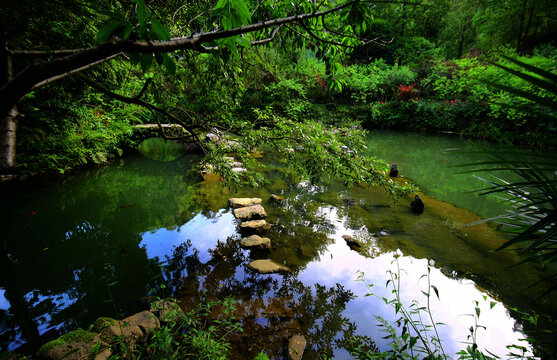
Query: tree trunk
x=8 y=127
x=8 y=121
x=519 y=37
x=461 y=43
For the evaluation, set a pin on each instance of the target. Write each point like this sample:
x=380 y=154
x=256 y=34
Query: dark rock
x=276 y=198
x=417 y=205
x=352 y=243
x=394 y=171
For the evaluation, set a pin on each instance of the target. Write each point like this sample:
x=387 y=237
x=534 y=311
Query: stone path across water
x=250 y=212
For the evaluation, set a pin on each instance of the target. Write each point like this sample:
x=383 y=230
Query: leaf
x=135 y=58
x=436 y=290
x=106 y=32
x=127 y=30
x=146 y=60
x=160 y=30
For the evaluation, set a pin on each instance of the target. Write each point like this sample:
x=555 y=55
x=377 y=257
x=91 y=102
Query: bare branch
x=57 y=77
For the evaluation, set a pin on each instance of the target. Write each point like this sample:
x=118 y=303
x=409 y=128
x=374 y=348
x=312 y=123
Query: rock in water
x=352 y=243
x=250 y=212
x=276 y=198
x=417 y=205
x=255 y=242
x=267 y=267
x=394 y=171
x=254 y=225
x=243 y=202
x=296 y=346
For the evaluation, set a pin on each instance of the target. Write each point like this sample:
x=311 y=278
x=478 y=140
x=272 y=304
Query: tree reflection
x=271 y=307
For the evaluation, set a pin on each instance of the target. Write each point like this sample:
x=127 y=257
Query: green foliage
x=197 y=335
x=413 y=50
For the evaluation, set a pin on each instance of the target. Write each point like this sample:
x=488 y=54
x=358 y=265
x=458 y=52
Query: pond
x=94 y=243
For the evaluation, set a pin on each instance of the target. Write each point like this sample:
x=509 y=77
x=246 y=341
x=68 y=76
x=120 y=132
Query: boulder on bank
x=267 y=267
x=254 y=226
x=75 y=345
x=132 y=327
x=255 y=242
x=167 y=311
x=250 y=212
x=296 y=346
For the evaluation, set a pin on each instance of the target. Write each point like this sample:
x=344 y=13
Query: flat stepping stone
x=296 y=346
x=236 y=164
x=243 y=202
x=267 y=267
x=239 y=170
x=254 y=225
x=253 y=212
x=255 y=242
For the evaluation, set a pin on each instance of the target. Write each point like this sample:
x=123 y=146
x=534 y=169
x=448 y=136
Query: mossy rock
x=104 y=322
x=77 y=344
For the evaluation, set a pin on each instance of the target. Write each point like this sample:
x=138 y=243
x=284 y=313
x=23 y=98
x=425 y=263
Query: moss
x=103 y=322
x=76 y=336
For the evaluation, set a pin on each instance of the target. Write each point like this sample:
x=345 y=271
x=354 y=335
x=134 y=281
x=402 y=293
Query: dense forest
x=305 y=80
x=409 y=65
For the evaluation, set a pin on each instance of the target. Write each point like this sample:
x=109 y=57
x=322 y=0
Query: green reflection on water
x=431 y=160
x=71 y=238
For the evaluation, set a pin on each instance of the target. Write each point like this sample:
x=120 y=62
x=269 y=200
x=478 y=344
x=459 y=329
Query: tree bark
x=8 y=122
x=8 y=128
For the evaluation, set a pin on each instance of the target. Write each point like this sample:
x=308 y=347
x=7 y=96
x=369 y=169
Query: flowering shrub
x=407 y=91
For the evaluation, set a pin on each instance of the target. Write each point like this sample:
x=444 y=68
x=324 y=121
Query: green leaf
x=146 y=60
x=435 y=290
x=106 y=32
x=127 y=30
x=135 y=58
x=160 y=30
x=168 y=63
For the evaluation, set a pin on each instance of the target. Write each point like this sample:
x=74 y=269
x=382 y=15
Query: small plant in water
x=414 y=334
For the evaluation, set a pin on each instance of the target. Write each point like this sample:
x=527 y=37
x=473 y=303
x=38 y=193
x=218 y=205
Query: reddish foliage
x=407 y=91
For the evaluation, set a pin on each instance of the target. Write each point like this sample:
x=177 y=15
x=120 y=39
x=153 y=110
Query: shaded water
x=69 y=246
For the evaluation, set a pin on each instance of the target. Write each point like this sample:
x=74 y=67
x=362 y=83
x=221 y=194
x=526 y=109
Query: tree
x=141 y=35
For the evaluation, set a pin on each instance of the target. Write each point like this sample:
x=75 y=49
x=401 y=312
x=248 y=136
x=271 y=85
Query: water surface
x=91 y=246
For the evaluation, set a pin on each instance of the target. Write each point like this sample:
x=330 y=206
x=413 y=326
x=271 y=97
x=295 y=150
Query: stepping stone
x=254 y=225
x=239 y=170
x=250 y=212
x=267 y=267
x=296 y=346
x=236 y=164
x=255 y=242
x=243 y=202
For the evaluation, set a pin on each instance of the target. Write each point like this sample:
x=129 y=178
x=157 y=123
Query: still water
x=70 y=246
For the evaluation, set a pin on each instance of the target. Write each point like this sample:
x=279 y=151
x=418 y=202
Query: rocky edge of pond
x=94 y=344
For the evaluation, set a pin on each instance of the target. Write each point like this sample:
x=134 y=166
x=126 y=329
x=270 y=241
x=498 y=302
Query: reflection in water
x=115 y=224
